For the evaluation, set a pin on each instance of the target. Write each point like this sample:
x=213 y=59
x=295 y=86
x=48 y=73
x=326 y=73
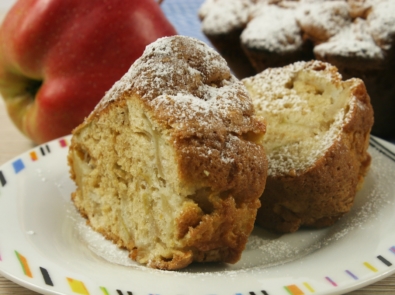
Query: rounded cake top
x=223 y=16
x=356 y=28
x=184 y=80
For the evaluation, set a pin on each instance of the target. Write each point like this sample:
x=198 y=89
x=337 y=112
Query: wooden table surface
x=13 y=143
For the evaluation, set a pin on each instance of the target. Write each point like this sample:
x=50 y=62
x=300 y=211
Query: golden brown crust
x=243 y=176
x=317 y=196
x=179 y=260
x=225 y=230
x=193 y=106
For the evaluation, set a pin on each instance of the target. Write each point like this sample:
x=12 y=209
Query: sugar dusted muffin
x=317 y=138
x=170 y=164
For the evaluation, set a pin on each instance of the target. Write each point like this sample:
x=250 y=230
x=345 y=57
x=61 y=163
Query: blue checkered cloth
x=183 y=14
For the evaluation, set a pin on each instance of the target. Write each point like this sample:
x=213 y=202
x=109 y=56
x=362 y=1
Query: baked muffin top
x=349 y=28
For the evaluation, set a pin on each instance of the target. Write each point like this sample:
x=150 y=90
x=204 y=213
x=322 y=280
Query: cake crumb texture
x=317 y=138
x=170 y=164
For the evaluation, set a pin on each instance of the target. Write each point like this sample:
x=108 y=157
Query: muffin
x=317 y=137
x=170 y=164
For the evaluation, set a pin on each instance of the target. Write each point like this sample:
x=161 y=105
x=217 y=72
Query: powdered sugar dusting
x=322 y=20
x=221 y=16
x=273 y=94
x=280 y=34
x=187 y=76
x=162 y=69
x=351 y=28
x=352 y=41
x=381 y=23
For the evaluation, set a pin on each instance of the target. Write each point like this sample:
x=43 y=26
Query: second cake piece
x=317 y=137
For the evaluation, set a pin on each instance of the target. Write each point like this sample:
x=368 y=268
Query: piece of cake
x=170 y=164
x=356 y=36
x=316 y=142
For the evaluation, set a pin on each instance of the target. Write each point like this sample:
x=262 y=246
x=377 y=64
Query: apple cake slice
x=317 y=137
x=170 y=164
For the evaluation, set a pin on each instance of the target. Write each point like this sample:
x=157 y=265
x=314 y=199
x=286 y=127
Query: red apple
x=58 y=57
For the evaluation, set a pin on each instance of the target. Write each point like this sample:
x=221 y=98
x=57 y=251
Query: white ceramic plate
x=46 y=246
